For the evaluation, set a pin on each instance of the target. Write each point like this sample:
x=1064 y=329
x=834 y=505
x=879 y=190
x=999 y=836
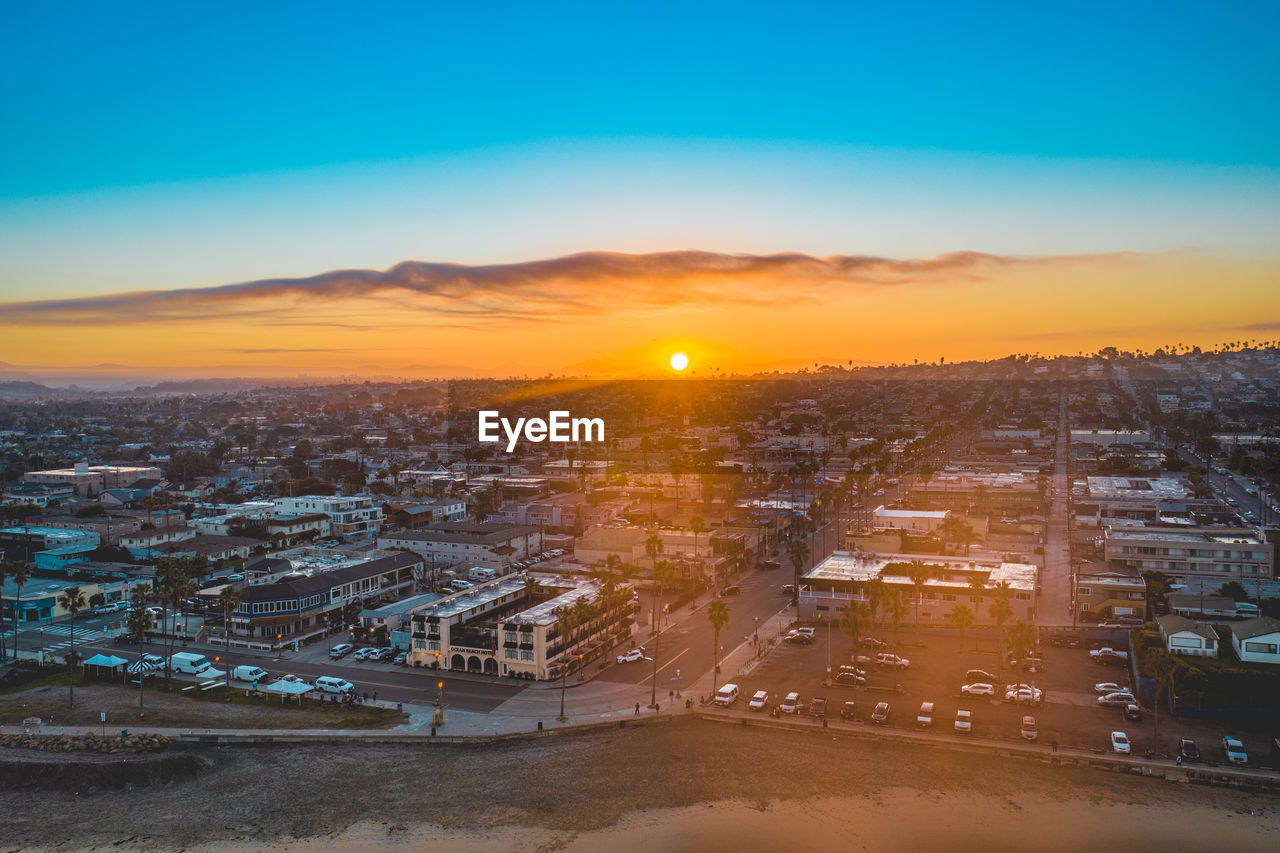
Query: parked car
x=730 y=590
x=799 y=639
x=873 y=643
x=979 y=675
x=759 y=700
x=790 y=704
x=333 y=684
x=964 y=722
x=1108 y=652
x=366 y=653
x=849 y=711
x=849 y=679
x=1234 y=750
x=1028 y=728
x=979 y=689
x=400 y=659
x=385 y=653
x=727 y=695
x=1109 y=687
x=1116 y=700
x=808 y=632
x=1120 y=743
x=787 y=589
x=631 y=656
x=818 y=706
x=1023 y=693
x=880 y=716
x=924 y=718
x=1133 y=712
x=1188 y=750
x=890 y=659
x=341 y=650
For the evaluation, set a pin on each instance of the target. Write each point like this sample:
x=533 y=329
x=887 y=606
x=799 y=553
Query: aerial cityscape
x=552 y=428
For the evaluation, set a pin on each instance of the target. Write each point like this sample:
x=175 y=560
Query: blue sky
x=156 y=145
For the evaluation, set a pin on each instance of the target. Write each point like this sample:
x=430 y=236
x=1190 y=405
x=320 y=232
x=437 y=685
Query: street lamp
x=757 y=631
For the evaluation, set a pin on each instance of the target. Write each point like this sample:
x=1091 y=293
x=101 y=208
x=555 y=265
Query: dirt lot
x=578 y=783
x=49 y=702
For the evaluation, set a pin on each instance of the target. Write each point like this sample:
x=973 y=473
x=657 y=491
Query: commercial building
x=37 y=601
x=90 y=480
x=916 y=520
x=1224 y=553
x=841 y=579
x=1102 y=501
x=301 y=608
x=24 y=542
x=507 y=627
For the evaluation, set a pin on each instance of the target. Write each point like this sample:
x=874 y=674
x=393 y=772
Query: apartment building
x=486 y=544
x=357 y=517
x=1103 y=592
x=1220 y=553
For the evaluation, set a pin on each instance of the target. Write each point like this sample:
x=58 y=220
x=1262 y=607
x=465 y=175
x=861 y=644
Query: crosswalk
x=81 y=635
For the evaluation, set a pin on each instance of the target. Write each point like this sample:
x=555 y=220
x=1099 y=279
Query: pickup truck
x=817 y=707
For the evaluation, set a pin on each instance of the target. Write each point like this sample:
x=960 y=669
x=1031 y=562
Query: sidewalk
x=743 y=659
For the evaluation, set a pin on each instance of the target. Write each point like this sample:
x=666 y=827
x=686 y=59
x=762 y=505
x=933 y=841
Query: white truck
x=249 y=674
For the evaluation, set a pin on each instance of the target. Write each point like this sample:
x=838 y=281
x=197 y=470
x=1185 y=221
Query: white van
x=333 y=684
x=193 y=664
x=250 y=674
x=727 y=695
x=480 y=575
x=461 y=584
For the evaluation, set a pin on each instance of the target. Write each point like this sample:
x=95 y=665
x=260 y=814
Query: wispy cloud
x=451 y=294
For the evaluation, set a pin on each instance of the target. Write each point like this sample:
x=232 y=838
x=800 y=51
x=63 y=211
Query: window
x=419 y=644
x=1084 y=590
x=511 y=653
x=948 y=596
x=1262 y=648
x=433 y=645
x=526 y=655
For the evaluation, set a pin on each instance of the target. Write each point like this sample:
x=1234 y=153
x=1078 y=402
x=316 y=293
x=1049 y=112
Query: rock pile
x=88 y=742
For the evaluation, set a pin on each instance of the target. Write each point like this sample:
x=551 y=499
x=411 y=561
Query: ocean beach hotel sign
x=558 y=427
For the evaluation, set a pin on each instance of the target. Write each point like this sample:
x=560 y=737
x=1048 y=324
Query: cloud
x=457 y=294
x=285 y=349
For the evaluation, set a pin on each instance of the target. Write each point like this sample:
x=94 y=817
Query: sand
x=685 y=785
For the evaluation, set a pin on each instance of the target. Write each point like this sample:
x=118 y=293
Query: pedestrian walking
x=637 y=709
x=677 y=675
x=1179 y=760
x=375 y=696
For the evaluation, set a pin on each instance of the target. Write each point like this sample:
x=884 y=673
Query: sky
x=263 y=189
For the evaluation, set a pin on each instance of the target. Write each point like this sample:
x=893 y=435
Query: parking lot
x=1068 y=715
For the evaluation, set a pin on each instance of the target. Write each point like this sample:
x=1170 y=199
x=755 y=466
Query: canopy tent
x=288 y=689
x=141 y=665
x=104 y=666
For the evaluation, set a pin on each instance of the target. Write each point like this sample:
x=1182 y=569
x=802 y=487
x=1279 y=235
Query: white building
x=1183 y=636
x=917 y=520
x=1257 y=640
x=357 y=517
x=90 y=480
x=489 y=545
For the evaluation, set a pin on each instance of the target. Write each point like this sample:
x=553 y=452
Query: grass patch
x=29 y=679
x=1214 y=683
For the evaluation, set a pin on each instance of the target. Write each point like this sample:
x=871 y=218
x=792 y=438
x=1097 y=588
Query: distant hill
x=26 y=390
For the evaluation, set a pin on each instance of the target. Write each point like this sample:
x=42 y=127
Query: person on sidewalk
x=637 y=709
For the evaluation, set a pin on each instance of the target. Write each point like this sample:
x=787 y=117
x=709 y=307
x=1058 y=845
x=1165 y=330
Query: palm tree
x=718 y=616
x=957 y=530
x=896 y=608
x=137 y=622
x=1161 y=666
x=1001 y=611
x=663 y=574
x=1022 y=639
x=918 y=572
x=962 y=618
x=876 y=593
x=799 y=552
x=18 y=570
x=72 y=601
x=698 y=524
x=228 y=598
x=568 y=618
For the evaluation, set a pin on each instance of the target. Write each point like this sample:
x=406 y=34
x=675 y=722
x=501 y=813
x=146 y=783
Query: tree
x=569 y=619
x=1001 y=611
x=956 y=530
x=718 y=616
x=1161 y=666
x=1233 y=590
x=799 y=552
x=1022 y=639
x=698 y=525
x=72 y=601
x=896 y=608
x=137 y=623
x=19 y=570
x=228 y=598
x=962 y=618
x=97 y=599
x=918 y=572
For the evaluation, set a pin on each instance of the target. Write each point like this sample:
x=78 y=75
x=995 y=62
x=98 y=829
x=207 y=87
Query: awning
x=288 y=688
x=108 y=661
x=141 y=666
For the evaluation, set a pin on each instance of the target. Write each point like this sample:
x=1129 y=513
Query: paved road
x=1055 y=578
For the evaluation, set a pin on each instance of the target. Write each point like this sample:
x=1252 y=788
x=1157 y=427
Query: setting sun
x=679 y=361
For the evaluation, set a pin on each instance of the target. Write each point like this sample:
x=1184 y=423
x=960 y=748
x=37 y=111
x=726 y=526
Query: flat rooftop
x=1243 y=537
x=856 y=567
x=1138 y=488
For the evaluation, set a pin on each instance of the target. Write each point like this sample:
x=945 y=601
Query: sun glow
x=679 y=361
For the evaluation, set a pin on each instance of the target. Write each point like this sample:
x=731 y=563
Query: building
x=840 y=580
x=23 y=542
x=1104 y=592
x=1104 y=500
x=356 y=517
x=37 y=494
x=90 y=480
x=505 y=627
x=303 y=607
x=1182 y=636
x=109 y=527
x=1109 y=437
x=1257 y=640
x=1223 y=553
x=916 y=520
x=37 y=601
x=486 y=544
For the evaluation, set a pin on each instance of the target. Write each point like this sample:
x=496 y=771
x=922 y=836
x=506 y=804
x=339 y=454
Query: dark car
x=848 y=679
x=979 y=675
x=771 y=565
x=787 y=589
x=849 y=710
x=817 y=707
x=873 y=643
x=1133 y=712
x=1188 y=750
x=730 y=590
x=880 y=716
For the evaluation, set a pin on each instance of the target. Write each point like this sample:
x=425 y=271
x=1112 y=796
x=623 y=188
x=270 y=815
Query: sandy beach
x=683 y=786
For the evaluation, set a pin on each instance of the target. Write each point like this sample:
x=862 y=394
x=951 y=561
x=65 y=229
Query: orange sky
x=607 y=315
